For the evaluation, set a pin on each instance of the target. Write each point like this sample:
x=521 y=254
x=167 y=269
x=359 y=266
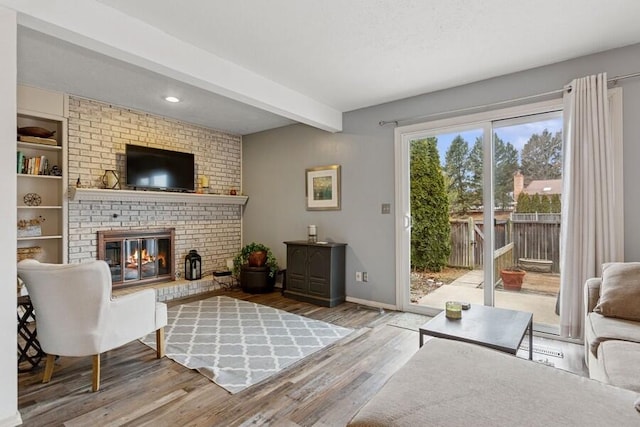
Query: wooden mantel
x=98 y=194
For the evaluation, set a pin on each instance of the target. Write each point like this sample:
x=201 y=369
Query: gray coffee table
x=492 y=327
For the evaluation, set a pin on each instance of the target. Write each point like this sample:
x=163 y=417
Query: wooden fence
x=553 y=218
x=463 y=243
x=467 y=242
x=537 y=240
x=533 y=237
x=502 y=258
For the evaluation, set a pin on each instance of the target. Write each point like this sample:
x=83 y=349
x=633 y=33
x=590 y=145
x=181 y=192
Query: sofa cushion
x=600 y=328
x=620 y=361
x=450 y=383
x=620 y=291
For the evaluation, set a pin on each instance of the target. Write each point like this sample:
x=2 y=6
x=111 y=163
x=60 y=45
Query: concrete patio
x=534 y=296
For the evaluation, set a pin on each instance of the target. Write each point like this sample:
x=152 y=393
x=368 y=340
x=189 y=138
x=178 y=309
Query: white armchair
x=76 y=315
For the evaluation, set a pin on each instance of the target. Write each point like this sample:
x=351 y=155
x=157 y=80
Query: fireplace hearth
x=137 y=257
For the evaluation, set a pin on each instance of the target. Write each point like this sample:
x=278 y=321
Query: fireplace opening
x=137 y=257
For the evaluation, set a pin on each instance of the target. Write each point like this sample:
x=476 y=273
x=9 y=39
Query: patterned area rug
x=237 y=343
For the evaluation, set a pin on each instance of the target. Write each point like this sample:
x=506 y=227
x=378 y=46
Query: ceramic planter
x=512 y=280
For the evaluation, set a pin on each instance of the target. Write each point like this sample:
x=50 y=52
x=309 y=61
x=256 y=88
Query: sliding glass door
x=528 y=190
x=469 y=191
x=445 y=221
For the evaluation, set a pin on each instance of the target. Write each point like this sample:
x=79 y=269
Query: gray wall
x=274 y=165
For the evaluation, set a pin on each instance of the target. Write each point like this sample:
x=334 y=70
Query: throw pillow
x=620 y=291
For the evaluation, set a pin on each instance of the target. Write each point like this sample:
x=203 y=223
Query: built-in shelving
x=43 y=109
x=39 y=147
x=40 y=238
x=98 y=194
x=39 y=207
x=28 y=175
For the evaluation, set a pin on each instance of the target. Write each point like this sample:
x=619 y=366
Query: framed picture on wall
x=323 y=188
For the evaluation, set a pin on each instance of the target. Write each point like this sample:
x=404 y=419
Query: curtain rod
x=396 y=122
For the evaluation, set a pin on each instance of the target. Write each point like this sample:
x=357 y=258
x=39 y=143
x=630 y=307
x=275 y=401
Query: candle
x=312 y=234
x=204 y=181
x=453 y=310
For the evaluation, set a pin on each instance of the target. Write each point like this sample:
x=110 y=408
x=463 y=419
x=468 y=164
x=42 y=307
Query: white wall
x=9 y=415
x=274 y=163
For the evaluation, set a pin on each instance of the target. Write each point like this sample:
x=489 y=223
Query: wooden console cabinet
x=316 y=272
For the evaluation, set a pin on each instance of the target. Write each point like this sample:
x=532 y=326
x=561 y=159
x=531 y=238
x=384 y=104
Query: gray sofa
x=612 y=335
x=450 y=383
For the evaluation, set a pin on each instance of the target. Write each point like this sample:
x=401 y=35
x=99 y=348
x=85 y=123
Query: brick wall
x=98 y=134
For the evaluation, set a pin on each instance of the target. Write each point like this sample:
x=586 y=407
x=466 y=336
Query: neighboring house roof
x=544 y=186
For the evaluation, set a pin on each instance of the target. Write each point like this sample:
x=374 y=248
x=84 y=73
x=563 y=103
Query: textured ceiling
x=356 y=53
x=340 y=54
x=46 y=62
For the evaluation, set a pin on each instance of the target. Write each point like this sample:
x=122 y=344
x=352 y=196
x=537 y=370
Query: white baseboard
x=371 y=303
x=12 y=421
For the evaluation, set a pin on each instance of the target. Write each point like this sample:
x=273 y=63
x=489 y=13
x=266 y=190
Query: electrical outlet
x=358 y=276
x=386 y=208
x=365 y=276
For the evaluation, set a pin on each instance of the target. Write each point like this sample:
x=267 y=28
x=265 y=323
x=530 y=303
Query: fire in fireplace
x=136 y=256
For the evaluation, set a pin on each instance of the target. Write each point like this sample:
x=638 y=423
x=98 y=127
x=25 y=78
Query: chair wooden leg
x=48 y=368
x=96 y=373
x=160 y=343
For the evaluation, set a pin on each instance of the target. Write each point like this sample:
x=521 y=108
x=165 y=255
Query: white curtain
x=590 y=234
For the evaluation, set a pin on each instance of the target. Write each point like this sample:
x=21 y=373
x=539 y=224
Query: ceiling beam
x=110 y=32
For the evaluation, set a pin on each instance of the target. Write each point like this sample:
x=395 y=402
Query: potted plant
x=256 y=255
x=512 y=278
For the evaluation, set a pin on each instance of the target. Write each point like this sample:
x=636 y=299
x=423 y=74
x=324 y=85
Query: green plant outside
x=538 y=203
x=243 y=258
x=430 y=233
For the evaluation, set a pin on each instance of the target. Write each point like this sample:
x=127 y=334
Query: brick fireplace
x=98 y=134
x=137 y=257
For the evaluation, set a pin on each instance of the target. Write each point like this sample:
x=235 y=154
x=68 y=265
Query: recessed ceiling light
x=171 y=99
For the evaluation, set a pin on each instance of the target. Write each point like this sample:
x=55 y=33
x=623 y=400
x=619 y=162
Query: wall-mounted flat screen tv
x=153 y=168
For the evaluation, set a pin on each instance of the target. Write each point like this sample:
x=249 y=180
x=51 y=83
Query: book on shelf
x=20 y=161
x=44 y=166
x=32 y=165
x=37 y=140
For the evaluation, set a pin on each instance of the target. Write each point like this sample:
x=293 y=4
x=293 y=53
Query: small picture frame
x=323 y=188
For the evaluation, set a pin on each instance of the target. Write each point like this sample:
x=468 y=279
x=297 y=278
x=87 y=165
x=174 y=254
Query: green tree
x=506 y=165
x=474 y=164
x=450 y=195
x=545 y=204
x=456 y=169
x=556 y=206
x=535 y=203
x=524 y=203
x=538 y=203
x=541 y=157
x=430 y=233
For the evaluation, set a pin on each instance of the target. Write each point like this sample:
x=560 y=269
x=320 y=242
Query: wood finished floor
x=325 y=389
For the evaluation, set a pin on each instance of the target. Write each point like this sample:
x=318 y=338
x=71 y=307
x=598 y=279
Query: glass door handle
x=408 y=221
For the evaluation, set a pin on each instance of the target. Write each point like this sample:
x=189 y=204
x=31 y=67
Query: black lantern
x=193 y=265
